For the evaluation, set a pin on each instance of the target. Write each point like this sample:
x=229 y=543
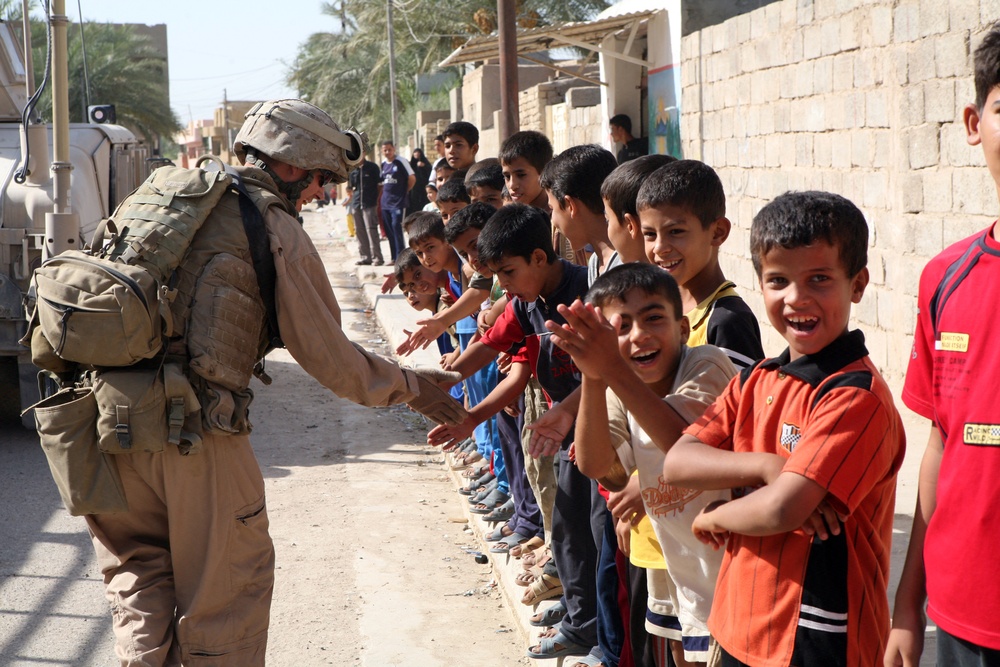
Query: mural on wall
x=664 y=114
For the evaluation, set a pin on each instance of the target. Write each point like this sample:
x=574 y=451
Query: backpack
x=108 y=306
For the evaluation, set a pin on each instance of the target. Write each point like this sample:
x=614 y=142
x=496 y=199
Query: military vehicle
x=98 y=163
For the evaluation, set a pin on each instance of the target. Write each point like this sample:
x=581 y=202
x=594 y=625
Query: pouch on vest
x=97 y=312
x=142 y=410
x=226 y=306
x=88 y=480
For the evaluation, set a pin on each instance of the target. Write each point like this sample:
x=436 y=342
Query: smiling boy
x=682 y=214
x=633 y=408
x=803 y=579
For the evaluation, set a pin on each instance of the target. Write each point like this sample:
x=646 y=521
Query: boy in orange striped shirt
x=814 y=441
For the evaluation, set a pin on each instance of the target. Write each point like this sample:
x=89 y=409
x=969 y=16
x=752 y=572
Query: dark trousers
x=957 y=652
x=575 y=552
x=527 y=519
x=392 y=220
x=610 y=631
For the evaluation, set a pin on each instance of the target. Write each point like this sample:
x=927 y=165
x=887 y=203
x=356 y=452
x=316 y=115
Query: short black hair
x=443 y=164
x=473 y=216
x=798 y=219
x=387 y=142
x=439 y=137
x=579 y=172
x=533 y=146
x=687 y=184
x=486 y=172
x=405 y=260
x=615 y=284
x=623 y=121
x=423 y=225
x=431 y=186
x=464 y=129
x=621 y=188
x=453 y=190
x=986 y=64
x=516 y=230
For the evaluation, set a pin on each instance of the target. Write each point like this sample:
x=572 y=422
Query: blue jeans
x=392 y=219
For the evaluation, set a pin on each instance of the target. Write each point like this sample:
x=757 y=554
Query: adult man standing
x=621 y=133
x=189 y=568
x=363 y=187
x=397 y=179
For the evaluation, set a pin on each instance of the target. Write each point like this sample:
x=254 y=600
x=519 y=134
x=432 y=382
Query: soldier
x=189 y=568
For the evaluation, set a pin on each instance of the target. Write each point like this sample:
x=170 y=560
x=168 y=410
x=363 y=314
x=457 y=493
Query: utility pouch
x=132 y=411
x=87 y=479
x=225 y=412
x=96 y=311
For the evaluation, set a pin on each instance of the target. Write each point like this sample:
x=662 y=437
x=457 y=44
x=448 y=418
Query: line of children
x=766 y=485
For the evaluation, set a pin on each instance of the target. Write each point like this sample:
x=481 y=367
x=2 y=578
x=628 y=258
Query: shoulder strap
x=260 y=252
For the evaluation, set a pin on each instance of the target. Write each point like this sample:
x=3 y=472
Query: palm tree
x=123 y=69
x=347 y=72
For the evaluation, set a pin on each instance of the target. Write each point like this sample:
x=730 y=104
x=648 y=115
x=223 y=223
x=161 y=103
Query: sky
x=245 y=47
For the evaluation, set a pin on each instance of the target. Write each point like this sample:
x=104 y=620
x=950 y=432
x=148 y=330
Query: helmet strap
x=293 y=190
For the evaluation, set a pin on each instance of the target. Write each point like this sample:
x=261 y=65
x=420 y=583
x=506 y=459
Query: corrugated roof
x=542 y=39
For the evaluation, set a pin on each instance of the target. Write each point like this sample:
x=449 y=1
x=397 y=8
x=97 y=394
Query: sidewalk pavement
x=395 y=316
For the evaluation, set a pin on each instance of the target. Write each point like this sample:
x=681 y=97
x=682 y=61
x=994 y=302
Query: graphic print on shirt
x=665 y=499
x=790 y=436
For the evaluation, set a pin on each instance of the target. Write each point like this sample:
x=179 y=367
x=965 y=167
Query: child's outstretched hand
x=549 y=431
x=389 y=283
x=442 y=435
x=589 y=338
x=428 y=332
x=706 y=531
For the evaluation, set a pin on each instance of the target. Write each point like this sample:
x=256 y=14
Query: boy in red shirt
x=812 y=442
x=951 y=561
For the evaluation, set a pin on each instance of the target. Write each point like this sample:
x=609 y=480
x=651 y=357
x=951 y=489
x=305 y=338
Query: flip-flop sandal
x=503 y=545
x=457 y=446
x=591 y=660
x=503 y=513
x=544 y=587
x=557 y=647
x=482 y=492
x=495 y=499
x=497 y=534
x=524 y=578
x=538 y=557
x=476 y=472
x=519 y=550
x=549 y=617
x=476 y=484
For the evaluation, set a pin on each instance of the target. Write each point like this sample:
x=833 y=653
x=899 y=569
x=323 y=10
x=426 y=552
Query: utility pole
x=392 y=69
x=225 y=122
x=510 y=121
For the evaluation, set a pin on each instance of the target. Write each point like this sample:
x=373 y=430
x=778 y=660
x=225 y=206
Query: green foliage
x=124 y=70
x=347 y=73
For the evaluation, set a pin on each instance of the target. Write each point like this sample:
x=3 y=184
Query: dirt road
x=370 y=569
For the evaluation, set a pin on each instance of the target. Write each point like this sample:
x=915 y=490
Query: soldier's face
x=313 y=191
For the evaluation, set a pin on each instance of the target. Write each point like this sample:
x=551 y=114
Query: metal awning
x=582 y=34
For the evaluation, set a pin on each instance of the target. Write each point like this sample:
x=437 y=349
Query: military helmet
x=302 y=135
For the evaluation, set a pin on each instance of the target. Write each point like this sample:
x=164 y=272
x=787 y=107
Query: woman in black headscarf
x=422 y=170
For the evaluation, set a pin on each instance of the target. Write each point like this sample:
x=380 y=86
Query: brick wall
x=862 y=98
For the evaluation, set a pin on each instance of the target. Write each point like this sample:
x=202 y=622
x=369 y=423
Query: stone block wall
x=859 y=97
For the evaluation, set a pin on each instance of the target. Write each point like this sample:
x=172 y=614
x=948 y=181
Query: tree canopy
x=347 y=72
x=123 y=69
